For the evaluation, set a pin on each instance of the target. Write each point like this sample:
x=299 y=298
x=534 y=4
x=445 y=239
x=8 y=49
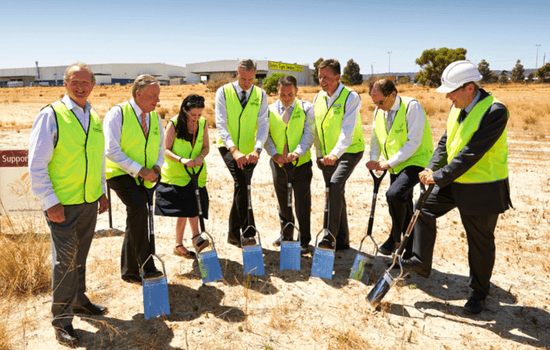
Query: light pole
x=389 y=63
x=372 y=68
x=537 y=61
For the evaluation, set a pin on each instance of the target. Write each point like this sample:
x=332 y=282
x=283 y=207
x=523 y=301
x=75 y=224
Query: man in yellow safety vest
x=470 y=171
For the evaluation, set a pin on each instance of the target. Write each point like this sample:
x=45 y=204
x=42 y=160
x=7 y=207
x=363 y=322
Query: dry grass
x=25 y=265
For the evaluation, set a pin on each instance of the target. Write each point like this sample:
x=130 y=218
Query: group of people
x=73 y=155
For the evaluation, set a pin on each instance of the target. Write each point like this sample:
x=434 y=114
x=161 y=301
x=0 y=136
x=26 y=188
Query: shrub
x=270 y=83
x=218 y=80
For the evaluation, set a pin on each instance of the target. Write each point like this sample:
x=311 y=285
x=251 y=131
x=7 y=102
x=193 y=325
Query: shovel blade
x=323 y=263
x=363 y=263
x=253 y=260
x=290 y=256
x=380 y=289
x=155 y=297
x=209 y=265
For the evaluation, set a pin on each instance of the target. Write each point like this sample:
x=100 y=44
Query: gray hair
x=79 y=65
x=141 y=83
x=247 y=64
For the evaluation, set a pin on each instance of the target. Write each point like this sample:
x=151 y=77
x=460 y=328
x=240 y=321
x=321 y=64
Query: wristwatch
x=259 y=150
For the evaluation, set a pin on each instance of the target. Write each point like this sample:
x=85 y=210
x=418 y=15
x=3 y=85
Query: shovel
x=387 y=281
x=155 y=289
x=253 y=257
x=364 y=262
x=323 y=258
x=290 y=249
x=209 y=264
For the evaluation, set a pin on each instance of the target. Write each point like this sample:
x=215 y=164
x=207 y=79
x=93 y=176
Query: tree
x=352 y=75
x=503 y=77
x=270 y=83
x=543 y=73
x=315 y=71
x=488 y=75
x=531 y=77
x=433 y=62
x=518 y=73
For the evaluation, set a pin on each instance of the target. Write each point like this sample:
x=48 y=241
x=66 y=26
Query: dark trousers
x=135 y=247
x=71 y=240
x=238 y=220
x=301 y=185
x=479 y=231
x=400 y=199
x=338 y=215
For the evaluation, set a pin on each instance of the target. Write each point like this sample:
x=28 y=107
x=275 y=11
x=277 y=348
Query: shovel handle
x=419 y=204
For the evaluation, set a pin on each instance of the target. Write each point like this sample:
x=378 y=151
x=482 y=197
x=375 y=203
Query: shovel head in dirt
x=155 y=294
x=209 y=265
x=379 y=291
x=363 y=263
x=253 y=258
x=290 y=255
x=323 y=263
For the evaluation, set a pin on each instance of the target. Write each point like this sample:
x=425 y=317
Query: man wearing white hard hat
x=470 y=172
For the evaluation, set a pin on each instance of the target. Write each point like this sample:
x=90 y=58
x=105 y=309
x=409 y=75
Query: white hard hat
x=457 y=74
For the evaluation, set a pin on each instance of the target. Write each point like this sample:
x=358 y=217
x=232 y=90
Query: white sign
x=15 y=185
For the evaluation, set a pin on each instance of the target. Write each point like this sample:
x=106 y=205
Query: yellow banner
x=286 y=66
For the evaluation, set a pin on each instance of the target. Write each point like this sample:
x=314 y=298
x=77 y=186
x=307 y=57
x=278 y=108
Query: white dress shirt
x=415 y=125
x=352 y=112
x=112 y=128
x=309 y=128
x=41 y=147
x=221 y=117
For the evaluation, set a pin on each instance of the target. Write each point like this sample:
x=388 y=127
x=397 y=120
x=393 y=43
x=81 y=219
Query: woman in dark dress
x=186 y=144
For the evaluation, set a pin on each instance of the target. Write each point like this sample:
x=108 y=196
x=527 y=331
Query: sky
x=381 y=36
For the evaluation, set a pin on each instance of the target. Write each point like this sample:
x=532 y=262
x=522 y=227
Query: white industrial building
x=125 y=73
x=106 y=74
x=203 y=71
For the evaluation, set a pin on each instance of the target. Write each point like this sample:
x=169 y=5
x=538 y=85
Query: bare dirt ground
x=290 y=309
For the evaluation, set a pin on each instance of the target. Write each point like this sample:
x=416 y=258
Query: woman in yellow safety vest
x=186 y=144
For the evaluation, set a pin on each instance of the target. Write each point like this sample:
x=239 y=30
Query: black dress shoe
x=277 y=242
x=415 y=266
x=67 y=336
x=248 y=241
x=152 y=273
x=341 y=246
x=325 y=244
x=234 y=242
x=132 y=279
x=474 y=306
x=90 y=309
x=389 y=246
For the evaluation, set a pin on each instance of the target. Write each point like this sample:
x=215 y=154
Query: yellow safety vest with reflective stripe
x=77 y=160
x=391 y=143
x=328 y=123
x=174 y=173
x=493 y=166
x=242 y=123
x=281 y=133
x=141 y=148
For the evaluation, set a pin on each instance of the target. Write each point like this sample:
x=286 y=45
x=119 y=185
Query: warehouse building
x=125 y=73
x=106 y=74
x=204 y=71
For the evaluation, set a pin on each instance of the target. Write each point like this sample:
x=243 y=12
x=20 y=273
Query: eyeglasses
x=381 y=103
